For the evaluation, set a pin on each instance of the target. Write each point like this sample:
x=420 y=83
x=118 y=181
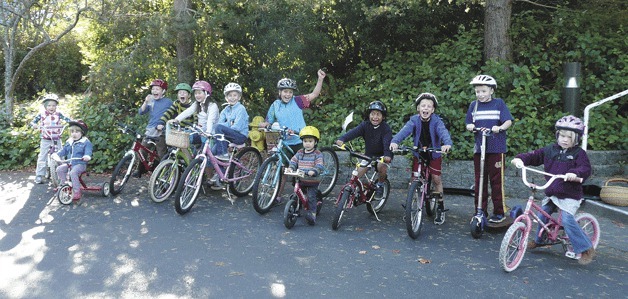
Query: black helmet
x=426 y=95
x=377 y=105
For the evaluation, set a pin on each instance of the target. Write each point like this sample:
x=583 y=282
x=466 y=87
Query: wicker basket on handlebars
x=615 y=195
x=272 y=139
x=177 y=138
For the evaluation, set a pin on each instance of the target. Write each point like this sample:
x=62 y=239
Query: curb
x=611 y=212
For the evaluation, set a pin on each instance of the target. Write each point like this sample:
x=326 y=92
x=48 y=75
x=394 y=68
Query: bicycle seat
x=238 y=146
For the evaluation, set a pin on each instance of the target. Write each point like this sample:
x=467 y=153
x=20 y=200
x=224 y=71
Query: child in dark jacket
x=564 y=157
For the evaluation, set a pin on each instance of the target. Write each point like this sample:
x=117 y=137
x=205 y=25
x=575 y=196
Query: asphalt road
x=129 y=247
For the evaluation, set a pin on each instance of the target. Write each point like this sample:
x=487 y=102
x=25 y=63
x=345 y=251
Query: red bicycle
x=64 y=193
x=298 y=200
x=147 y=155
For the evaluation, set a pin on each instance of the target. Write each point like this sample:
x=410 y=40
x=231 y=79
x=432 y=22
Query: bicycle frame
x=282 y=157
x=361 y=192
x=138 y=149
x=53 y=148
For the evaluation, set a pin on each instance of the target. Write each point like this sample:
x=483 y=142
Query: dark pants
x=493 y=173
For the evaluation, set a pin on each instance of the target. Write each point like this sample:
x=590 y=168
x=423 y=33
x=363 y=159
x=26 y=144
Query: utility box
x=571 y=91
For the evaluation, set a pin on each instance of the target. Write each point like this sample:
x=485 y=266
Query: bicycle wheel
x=64 y=194
x=266 y=186
x=250 y=159
x=330 y=176
x=430 y=201
x=414 y=213
x=291 y=212
x=51 y=171
x=164 y=180
x=590 y=226
x=378 y=203
x=513 y=246
x=188 y=187
x=121 y=174
x=341 y=207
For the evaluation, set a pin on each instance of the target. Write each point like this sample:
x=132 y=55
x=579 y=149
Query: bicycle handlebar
x=199 y=130
x=406 y=149
x=552 y=178
x=361 y=155
x=69 y=160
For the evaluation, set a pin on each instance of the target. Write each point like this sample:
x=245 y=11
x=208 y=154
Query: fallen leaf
x=358 y=229
x=396 y=251
x=424 y=261
x=619 y=224
x=362 y=252
x=219 y=264
x=375 y=246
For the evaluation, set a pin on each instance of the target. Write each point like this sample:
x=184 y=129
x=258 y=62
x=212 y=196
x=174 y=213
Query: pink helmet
x=161 y=83
x=203 y=85
x=570 y=123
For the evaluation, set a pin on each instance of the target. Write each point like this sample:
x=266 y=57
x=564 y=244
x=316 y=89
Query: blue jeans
x=220 y=147
x=579 y=240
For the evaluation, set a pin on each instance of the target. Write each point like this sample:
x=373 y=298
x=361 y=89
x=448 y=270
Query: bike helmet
x=50 y=97
x=161 y=83
x=571 y=123
x=426 y=95
x=183 y=86
x=484 y=80
x=286 y=83
x=203 y=85
x=81 y=124
x=377 y=105
x=310 y=131
x=232 y=87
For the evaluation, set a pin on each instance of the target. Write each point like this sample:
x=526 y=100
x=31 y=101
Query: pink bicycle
x=298 y=200
x=54 y=134
x=515 y=243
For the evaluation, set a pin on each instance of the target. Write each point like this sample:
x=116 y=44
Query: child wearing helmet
x=287 y=110
x=428 y=130
x=564 y=157
x=489 y=114
x=49 y=116
x=205 y=110
x=377 y=136
x=77 y=146
x=184 y=101
x=155 y=104
x=310 y=161
x=233 y=123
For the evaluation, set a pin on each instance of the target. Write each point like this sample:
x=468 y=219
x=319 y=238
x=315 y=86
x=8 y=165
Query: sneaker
x=379 y=190
x=38 y=180
x=76 y=196
x=278 y=200
x=217 y=185
x=440 y=216
x=532 y=244
x=586 y=257
x=223 y=157
x=137 y=174
x=310 y=217
x=497 y=218
x=214 y=179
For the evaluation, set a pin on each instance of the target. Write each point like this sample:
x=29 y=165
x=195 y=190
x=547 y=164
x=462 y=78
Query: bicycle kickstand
x=372 y=209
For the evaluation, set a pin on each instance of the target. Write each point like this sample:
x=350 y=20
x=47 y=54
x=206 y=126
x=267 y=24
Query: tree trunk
x=185 y=41
x=497 y=43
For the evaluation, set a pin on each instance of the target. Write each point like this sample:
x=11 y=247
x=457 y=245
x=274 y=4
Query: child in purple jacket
x=564 y=157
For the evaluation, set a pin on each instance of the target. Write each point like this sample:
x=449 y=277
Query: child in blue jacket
x=79 y=149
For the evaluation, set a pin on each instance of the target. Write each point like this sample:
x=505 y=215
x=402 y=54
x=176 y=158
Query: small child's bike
x=64 y=192
x=52 y=133
x=298 y=201
x=515 y=243
x=356 y=192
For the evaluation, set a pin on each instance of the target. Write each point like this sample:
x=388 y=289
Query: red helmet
x=81 y=124
x=203 y=85
x=161 y=83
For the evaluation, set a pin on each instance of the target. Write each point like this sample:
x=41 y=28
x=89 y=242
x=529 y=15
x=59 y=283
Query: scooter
x=478 y=222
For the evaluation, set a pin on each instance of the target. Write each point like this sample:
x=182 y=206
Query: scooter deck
x=502 y=225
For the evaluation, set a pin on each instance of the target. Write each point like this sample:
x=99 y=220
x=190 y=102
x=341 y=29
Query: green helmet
x=183 y=86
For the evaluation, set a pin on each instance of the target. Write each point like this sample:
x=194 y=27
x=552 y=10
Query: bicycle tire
x=341 y=207
x=414 y=212
x=188 y=188
x=121 y=174
x=590 y=226
x=430 y=201
x=290 y=213
x=64 y=194
x=164 y=180
x=250 y=159
x=378 y=203
x=513 y=247
x=51 y=171
x=264 y=190
x=330 y=177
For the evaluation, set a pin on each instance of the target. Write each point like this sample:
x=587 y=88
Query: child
x=77 y=146
x=488 y=113
x=377 y=136
x=310 y=161
x=428 y=130
x=184 y=97
x=155 y=104
x=564 y=157
x=204 y=108
x=48 y=117
x=233 y=122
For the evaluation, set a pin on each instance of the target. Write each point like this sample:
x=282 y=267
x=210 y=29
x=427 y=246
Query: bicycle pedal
x=572 y=255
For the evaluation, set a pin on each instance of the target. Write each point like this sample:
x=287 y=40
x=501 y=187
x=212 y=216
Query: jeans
x=75 y=173
x=579 y=240
x=220 y=147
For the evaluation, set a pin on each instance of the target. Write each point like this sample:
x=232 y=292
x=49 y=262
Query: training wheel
x=105 y=191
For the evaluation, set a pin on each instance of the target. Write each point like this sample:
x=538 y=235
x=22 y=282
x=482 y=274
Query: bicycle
x=239 y=173
x=165 y=177
x=514 y=243
x=146 y=155
x=268 y=179
x=298 y=201
x=356 y=192
x=51 y=133
x=419 y=193
x=64 y=192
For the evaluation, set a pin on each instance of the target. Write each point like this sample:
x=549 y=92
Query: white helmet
x=484 y=80
x=232 y=87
